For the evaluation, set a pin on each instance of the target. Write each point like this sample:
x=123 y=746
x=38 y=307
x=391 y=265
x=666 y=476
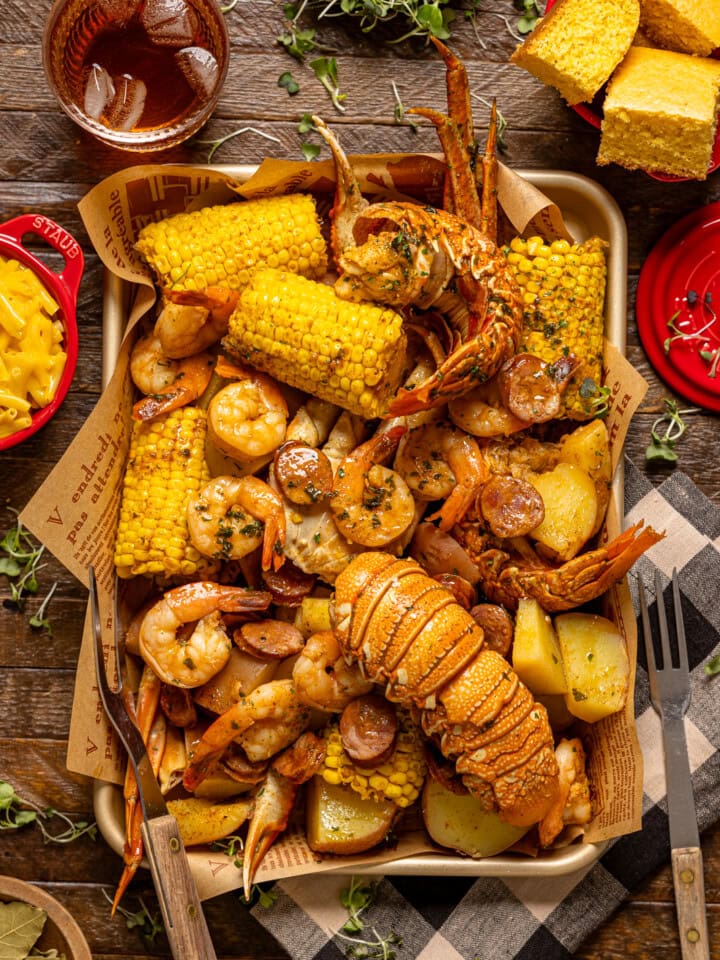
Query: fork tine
x=647 y=637
x=679 y=623
x=662 y=622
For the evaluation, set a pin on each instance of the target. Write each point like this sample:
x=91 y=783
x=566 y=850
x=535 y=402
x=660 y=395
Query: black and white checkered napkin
x=448 y=918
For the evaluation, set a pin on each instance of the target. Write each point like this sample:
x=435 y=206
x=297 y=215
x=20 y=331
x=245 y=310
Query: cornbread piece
x=300 y=332
x=686 y=26
x=578 y=44
x=661 y=113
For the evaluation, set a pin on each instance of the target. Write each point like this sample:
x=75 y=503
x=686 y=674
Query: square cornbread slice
x=578 y=44
x=686 y=26
x=660 y=113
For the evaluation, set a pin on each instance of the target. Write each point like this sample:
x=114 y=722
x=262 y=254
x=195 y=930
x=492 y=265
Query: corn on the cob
x=222 y=245
x=563 y=289
x=302 y=333
x=166 y=466
x=399 y=780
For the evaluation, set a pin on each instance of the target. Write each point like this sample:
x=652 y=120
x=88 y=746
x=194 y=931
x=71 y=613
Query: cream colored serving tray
x=588 y=210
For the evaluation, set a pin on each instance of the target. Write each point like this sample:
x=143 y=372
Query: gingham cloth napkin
x=447 y=918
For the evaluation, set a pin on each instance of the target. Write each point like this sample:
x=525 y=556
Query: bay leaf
x=20 y=927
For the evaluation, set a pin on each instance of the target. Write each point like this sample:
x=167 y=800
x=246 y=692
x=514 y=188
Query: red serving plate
x=592 y=113
x=686 y=258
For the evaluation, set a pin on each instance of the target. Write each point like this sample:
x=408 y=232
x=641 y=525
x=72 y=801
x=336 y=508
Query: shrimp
x=573 y=804
x=231 y=516
x=372 y=504
x=440 y=462
x=323 y=678
x=482 y=414
x=189 y=661
x=166 y=383
x=274 y=707
x=248 y=418
x=192 y=320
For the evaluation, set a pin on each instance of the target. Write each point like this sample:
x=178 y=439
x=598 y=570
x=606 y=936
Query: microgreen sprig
x=325 y=69
x=697 y=336
x=399 y=112
x=14 y=814
x=233 y=846
x=662 y=446
x=599 y=397
x=357 y=899
x=216 y=144
x=307 y=125
x=266 y=898
x=530 y=12
x=148 y=925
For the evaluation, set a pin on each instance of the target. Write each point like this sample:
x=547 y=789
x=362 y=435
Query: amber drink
x=138 y=74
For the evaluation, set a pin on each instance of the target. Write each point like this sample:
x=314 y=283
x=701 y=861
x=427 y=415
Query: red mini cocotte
x=63 y=287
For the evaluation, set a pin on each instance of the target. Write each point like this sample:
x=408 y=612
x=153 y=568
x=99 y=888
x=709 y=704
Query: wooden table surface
x=47 y=165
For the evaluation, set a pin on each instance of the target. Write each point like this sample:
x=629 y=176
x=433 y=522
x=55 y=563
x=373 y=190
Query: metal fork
x=670 y=693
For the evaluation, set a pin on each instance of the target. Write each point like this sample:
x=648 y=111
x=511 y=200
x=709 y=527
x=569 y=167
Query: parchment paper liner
x=75 y=511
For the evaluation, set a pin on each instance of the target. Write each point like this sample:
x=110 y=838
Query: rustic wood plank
x=36 y=702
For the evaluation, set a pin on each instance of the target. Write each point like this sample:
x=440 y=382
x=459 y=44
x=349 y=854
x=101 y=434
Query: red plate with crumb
x=592 y=113
x=682 y=275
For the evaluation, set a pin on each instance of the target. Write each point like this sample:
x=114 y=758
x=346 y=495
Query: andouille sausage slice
x=511 y=507
x=177 y=705
x=368 y=729
x=269 y=639
x=497 y=625
x=531 y=389
x=289 y=585
x=304 y=473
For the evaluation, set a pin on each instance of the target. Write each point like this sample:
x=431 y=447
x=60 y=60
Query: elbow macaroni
x=32 y=358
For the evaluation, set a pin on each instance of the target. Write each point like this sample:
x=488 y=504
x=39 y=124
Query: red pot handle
x=58 y=238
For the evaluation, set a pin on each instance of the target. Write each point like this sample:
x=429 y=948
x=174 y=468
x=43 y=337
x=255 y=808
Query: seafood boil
x=359 y=510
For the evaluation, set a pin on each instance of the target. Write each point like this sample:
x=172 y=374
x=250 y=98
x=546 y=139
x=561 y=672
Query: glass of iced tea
x=137 y=74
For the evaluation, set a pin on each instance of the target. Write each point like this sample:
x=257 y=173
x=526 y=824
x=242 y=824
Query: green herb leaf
x=306 y=123
x=325 y=69
x=662 y=445
x=289 y=82
x=712 y=667
x=309 y=150
x=148 y=925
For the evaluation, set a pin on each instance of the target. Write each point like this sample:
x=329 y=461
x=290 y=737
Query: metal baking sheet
x=588 y=210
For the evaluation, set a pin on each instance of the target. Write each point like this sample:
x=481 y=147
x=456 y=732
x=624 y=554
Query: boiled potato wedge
x=313 y=616
x=596 y=665
x=588 y=447
x=458 y=821
x=338 y=820
x=536 y=655
x=241 y=674
x=202 y=821
x=570 y=509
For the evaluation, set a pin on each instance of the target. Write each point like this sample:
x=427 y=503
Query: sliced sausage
x=368 y=729
x=289 y=585
x=238 y=766
x=528 y=388
x=497 y=625
x=304 y=473
x=269 y=639
x=462 y=590
x=511 y=507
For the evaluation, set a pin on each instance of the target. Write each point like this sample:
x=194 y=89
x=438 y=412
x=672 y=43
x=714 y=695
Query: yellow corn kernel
x=165 y=468
x=277 y=310
x=399 y=780
x=563 y=297
x=222 y=245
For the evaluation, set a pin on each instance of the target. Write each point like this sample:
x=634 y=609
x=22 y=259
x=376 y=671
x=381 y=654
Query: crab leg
x=349 y=202
x=488 y=216
x=148 y=698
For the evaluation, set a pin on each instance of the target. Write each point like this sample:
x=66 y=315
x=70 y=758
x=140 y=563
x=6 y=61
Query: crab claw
x=274 y=801
x=270 y=816
x=349 y=201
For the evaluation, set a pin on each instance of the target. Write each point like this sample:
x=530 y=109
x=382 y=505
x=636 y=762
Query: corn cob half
x=399 y=780
x=166 y=466
x=303 y=334
x=222 y=245
x=563 y=290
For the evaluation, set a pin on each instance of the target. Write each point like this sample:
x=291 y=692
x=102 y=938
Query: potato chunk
x=588 y=447
x=338 y=820
x=202 y=821
x=596 y=665
x=536 y=655
x=570 y=509
x=459 y=822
